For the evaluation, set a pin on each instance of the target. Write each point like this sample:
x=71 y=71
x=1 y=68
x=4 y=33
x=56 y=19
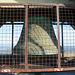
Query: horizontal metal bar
x=69 y=5
x=39 y=70
x=42 y=70
x=49 y=4
x=30 y=70
x=68 y=69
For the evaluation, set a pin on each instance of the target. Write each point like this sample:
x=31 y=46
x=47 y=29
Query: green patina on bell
x=41 y=37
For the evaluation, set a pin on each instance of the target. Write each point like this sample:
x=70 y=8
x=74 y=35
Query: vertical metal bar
x=57 y=10
x=26 y=36
x=12 y=35
x=62 y=40
x=12 y=40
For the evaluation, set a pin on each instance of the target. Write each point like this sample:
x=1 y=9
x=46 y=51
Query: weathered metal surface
x=39 y=70
x=34 y=46
x=59 y=63
x=26 y=37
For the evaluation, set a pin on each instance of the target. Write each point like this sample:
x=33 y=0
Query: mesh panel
x=67 y=19
x=12 y=37
x=42 y=41
x=30 y=36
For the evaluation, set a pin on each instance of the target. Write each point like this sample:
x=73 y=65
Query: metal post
x=12 y=35
x=59 y=57
x=12 y=40
x=62 y=40
x=26 y=36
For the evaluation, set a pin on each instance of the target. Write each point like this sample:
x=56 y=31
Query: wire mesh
x=42 y=41
x=67 y=34
x=29 y=37
x=12 y=37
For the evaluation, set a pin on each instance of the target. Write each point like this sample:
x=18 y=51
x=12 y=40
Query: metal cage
x=37 y=37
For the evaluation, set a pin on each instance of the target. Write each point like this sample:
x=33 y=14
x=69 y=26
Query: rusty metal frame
x=53 y=4
x=39 y=70
x=26 y=37
x=59 y=64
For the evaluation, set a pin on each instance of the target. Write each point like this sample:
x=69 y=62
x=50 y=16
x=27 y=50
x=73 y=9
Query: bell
x=41 y=37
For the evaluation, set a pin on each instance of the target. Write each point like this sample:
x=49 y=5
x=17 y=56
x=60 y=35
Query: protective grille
x=42 y=41
x=12 y=45
x=37 y=37
x=67 y=34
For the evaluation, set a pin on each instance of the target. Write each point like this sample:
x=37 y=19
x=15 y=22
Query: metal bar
x=39 y=70
x=68 y=69
x=26 y=36
x=26 y=41
x=33 y=70
x=12 y=40
x=57 y=9
x=54 y=4
x=12 y=35
x=67 y=5
x=62 y=40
